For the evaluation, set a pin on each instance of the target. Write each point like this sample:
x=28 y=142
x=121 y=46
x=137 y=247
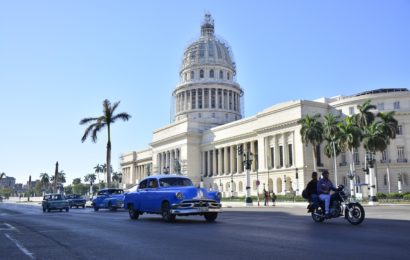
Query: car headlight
x=218 y=195
x=179 y=195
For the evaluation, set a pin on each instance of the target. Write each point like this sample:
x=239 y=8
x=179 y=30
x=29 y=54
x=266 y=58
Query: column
x=196 y=98
x=214 y=162
x=239 y=160
x=233 y=162
x=253 y=165
x=226 y=161
x=276 y=148
x=220 y=161
x=209 y=163
x=285 y=149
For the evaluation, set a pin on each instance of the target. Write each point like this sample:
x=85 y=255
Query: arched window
x=221 y=74
x=211 y=73
x=228 y=76
x=185 y=76
x=201 y=74
x=192 y=74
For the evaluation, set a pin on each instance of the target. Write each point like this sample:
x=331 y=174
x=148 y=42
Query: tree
x=312 y=132
x=332 y=133
x=96 y=124
x=390 y=124
x=90 y=178
x=117 y=177
x=76 y=181
x=44 y=180
x=365 y=117
x=349 y=140
x=59 y=178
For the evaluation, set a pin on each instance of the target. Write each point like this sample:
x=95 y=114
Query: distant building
x=208 y=129
x=7 y=182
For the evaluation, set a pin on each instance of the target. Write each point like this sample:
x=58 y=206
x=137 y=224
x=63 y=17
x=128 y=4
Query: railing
x=402 y=160
x=385 y=161
x=343 y=164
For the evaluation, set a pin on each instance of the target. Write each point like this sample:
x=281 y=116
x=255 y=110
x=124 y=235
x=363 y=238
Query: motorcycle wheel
x=317 y=214
x=356 y=213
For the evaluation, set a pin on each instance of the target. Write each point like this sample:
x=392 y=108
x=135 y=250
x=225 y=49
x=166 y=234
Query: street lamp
x=247 y=159
x=399 y=180
x=284 y=180
x=297 y=181
x=166 y=170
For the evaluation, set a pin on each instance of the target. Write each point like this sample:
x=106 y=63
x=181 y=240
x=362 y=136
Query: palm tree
x=116 y=177
x=390 y=124
x=312 y=132
x=90 y=178
x=59 y=178
x=44 y=180
x=2 y=175
x=365 y=117
x=99 y=123
x=349 y=140
x=331 y=134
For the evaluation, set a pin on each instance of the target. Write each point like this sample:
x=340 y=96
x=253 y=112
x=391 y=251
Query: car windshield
x=175 y=182
x=116 y=192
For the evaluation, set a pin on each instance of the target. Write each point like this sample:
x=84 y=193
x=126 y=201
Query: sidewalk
x=240 y=204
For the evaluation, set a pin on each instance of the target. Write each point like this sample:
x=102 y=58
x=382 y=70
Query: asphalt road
x=275 y=233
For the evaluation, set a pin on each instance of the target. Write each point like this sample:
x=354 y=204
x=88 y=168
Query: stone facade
x=209 y=129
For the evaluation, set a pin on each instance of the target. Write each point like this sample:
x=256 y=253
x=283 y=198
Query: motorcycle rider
x=324 y=186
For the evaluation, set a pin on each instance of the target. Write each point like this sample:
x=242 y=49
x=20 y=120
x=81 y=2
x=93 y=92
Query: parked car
x=171 y=196
x=75 y=200
x=111 y=199
x=54 y=202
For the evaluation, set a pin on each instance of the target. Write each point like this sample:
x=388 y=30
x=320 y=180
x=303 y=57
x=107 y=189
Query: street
x=239 y=233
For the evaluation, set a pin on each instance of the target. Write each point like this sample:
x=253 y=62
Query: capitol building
x=209 y=133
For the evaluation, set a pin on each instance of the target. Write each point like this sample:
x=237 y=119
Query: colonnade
x=167 y=161
x=203 y=98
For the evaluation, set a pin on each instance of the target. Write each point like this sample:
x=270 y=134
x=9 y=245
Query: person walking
x=266 y=195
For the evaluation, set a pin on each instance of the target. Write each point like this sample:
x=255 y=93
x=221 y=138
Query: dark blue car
x=111 y=199
x=171 y=196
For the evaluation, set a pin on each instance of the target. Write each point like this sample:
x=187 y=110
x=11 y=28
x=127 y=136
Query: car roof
x=160 y=176
x=110 y=189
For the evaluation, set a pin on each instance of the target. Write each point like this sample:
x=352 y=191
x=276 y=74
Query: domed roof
x=208 y=49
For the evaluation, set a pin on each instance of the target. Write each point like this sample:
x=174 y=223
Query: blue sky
x=60 y=59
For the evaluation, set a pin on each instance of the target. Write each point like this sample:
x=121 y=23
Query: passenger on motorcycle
x=310 y=192
x=324 y=186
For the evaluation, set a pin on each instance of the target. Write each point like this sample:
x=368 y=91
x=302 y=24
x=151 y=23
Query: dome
x=208 y=50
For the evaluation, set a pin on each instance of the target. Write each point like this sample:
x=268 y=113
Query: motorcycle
x=340 y=205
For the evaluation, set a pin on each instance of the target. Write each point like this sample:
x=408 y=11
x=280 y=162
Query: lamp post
x=257 y=180
x=370 y=165
x=148 y=167
x=232 y=186
x=284 y=180
x=297 y=181
x=166 y=170
x=268 y=181
x=399 y=179
x=247 y=159
x=220 y=187
x=201 y=183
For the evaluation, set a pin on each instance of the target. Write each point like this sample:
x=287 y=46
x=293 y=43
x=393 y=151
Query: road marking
x=8 y=227
x=21 y=247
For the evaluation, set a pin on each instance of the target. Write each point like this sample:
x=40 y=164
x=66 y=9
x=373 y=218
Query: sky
x=60 y=59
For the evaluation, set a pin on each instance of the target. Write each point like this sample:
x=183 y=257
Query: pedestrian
x=266 y=194
x=273 y=198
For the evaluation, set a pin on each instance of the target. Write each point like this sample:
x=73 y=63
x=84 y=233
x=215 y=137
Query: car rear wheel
x=66 y=209
x=61 y=210
x=166 y=212
x=48 y=209
x=134 y=214
x=211 y=216
x=44 y=209
x=95 y=208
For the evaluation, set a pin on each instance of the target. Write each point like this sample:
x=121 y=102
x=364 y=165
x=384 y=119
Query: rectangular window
x=219 y=98
x=380 y=106
x=193 y=102
x=290 y=154
x=272 y=157
x=400 y=154
x=211 y=163
x=396 y=105
x=281 y=156
x=206 y=163
x=225 y=99
x=399 y=130
x=199 y=98
x=384 y=157
x=206 y=95
x=188 y=98
x=351 y=110
x=230 y=100
x=213 y=98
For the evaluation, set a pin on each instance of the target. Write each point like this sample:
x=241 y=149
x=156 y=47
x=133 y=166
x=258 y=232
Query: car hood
x=192 y=192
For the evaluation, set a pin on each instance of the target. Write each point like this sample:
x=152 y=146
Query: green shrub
x=406 y=196
x=395 y=195
x=381 y=195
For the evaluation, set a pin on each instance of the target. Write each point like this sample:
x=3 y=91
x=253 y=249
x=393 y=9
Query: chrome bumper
x=195 y=207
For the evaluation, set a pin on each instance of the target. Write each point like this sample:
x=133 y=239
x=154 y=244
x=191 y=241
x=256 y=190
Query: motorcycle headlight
x=179 y=195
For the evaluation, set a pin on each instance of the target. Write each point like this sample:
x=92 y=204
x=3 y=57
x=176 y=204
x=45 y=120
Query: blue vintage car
x=170 y=196
x=111 y=199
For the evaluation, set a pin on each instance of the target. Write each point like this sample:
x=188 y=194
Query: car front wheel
x=211 y=216
x=44 y=209
x=134 y=214
x=66 y=209
x=95 y=208
x=166 y=212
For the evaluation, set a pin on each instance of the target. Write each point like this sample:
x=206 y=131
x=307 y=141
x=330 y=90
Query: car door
x=141 y=196
x=152 y=195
